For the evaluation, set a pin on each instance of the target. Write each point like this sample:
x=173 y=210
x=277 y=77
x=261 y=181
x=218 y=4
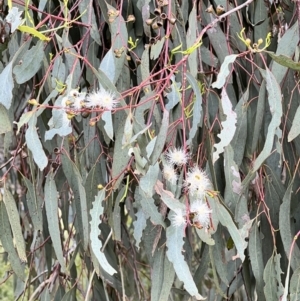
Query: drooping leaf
x=169 y=274
x=224 y=71
x=51 y=205
x=34 y=203
x=7 y=242
x=5 y=124
x=272 y=290
x=197 y=108
x=157 y=274
x=96 y=244
x=284 y=61
x=285 y=226
x=108 y=126
x=295 y=286
x=228 y=126
x=6 y=86
x=139 y=225
x=75 y=181
x=174 y=253
x=161 y=138
x=13 y=216
x=295 y=129
x=35 y=145
x=256 y=257
x=30 y=63
x=274 y=99
x=238 y=235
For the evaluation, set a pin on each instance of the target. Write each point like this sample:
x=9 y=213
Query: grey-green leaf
x=96 y=244
x=30 y=63
x=174 y=253
x=6 y=86
x=224 y=71
x=51 y=205
x=35 y=145
x=13 y=216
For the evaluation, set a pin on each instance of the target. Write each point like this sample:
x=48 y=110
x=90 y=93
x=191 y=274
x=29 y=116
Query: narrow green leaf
x=6 y=86
x=30 y=63
x=295 y=286
x=284 y=61
x=51 y=205
x=14 y=219
x=6 y=239
x=138 y=226
x=197 y=108
x=169 y=274
x=88 y=17
x=274 y=99
x=260 y=113
x=157 y=274
x=286 y=46
x=34 y=203
x=224 y=71
x=237 y=235
x=295 y=129
x=256 y=257
x=75 y=181
x=217 y=253
x=161 y=138
x=96 y=244
x=285 y=227
x=174 y=253
x=191 y=36
x=271 y=289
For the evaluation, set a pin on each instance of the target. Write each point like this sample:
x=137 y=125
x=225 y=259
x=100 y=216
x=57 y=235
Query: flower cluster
x=197 y=182
x=201 y=214
x=101 y=99
x=76 y=101
x=174 y=157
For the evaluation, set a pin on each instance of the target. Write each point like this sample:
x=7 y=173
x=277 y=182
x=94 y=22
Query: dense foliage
x=150 y=149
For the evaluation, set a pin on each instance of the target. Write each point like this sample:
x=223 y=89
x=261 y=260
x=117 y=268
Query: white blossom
x=102 y=99
x=177 y=156
x=197 y=182
x=202 y=212
x=170 y=174
x=178 y=218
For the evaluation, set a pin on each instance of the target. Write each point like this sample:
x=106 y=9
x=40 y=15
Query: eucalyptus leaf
x=96 y=244
x=51 y=205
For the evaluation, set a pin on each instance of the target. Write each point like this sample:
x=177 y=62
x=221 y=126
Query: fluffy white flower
x=170 y=174
x=197 y=182
x=74 y=100
x=202 y=212
x=178 y=218
x=177 y=156
x=101 y=98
